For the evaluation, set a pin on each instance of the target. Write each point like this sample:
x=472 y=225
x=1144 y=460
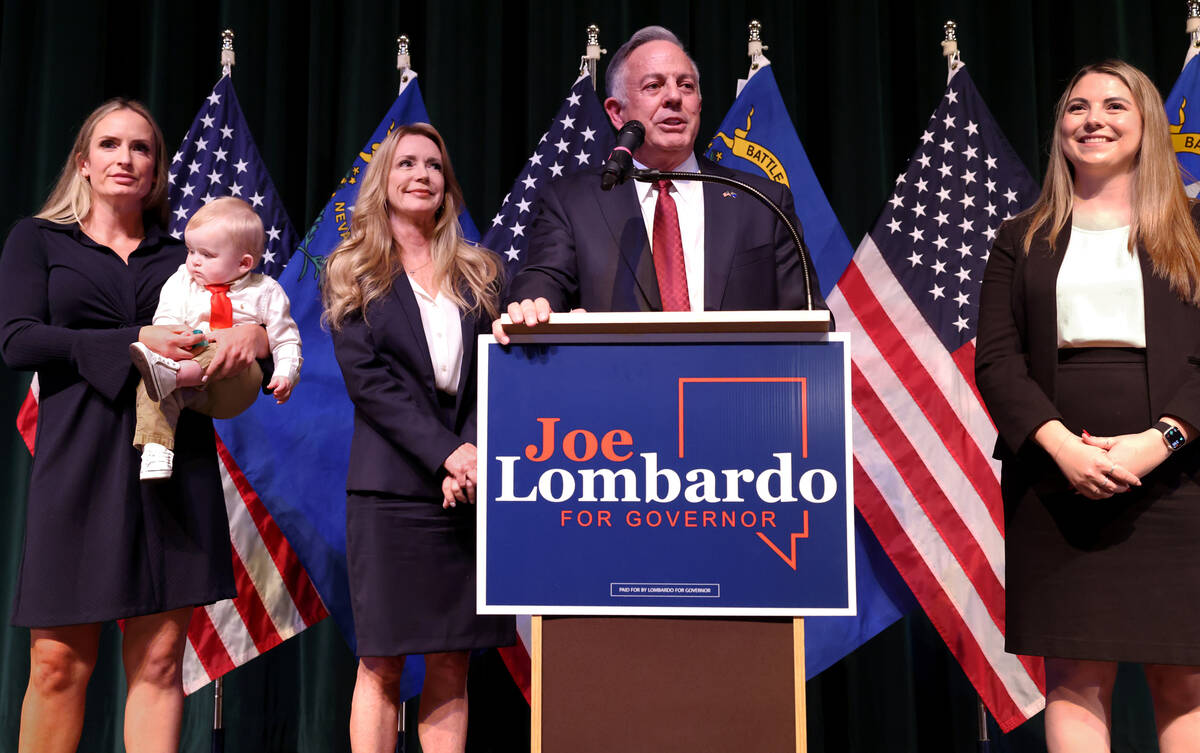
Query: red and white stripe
x=925 y=481
x=276 y=599
x=27 y=415
x=516 y=657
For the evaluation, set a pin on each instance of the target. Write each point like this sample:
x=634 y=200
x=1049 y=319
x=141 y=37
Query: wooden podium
x=667 y=683
x=604 y=684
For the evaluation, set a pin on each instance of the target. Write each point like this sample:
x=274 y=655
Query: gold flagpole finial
x=403 y=59
x=591 y=58
x=755 y=46
x=950 y=45
x=227 y=57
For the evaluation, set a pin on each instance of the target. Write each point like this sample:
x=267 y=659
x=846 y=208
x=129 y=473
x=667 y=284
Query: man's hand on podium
x=528 y=312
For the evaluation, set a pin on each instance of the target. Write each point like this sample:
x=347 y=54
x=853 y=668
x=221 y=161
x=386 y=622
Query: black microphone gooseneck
x=650 y=176
x=620 y=159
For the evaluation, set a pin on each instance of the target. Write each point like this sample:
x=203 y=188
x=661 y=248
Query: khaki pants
x=219 y=398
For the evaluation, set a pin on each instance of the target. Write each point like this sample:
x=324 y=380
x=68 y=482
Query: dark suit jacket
x=1016 y=357
x=401 y=434
x=588 y=248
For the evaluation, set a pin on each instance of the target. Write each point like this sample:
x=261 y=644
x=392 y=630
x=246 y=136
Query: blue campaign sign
x=666 y=474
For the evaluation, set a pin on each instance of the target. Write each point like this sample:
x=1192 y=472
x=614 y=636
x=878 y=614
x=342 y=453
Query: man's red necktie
x=668 y=252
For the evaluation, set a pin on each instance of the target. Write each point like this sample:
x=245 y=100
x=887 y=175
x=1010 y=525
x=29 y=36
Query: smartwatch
x=1171 y=435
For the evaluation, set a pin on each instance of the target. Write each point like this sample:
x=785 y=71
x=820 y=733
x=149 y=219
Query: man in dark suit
x=683 y=246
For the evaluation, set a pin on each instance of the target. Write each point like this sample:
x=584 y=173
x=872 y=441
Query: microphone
x=620 y=160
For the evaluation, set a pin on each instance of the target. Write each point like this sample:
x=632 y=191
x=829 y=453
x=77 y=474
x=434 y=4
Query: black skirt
x=1115 y=579
x=412 y=577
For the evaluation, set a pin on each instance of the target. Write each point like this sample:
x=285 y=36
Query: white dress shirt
x=256 y=299
x=1099 y=292
x=689 y=202
x=442 y=322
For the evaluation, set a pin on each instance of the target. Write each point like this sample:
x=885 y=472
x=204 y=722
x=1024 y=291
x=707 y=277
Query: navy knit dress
x=99 y=544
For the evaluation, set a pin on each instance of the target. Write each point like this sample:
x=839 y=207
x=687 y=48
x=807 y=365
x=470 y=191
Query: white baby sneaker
x=157 y=462
x=158 y=372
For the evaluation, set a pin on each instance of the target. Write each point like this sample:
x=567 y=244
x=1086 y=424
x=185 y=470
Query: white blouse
x=1099 y=292
x=442 y=322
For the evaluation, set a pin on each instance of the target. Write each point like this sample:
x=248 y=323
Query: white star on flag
x=201 y=182
x=579 y=131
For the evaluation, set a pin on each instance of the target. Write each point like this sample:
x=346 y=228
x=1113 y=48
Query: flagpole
x=401 y=743
x=1193 y=30
x=950 y=48
x=228 y=59
x=218 y=735
x=591 y=58
x=953 y=61
x=754 y=49
x=403 y=62
x=404 y=65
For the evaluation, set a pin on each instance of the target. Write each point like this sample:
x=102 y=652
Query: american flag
x=276 y=599
x=579 y=138
x=923 y=475
x=217 y=158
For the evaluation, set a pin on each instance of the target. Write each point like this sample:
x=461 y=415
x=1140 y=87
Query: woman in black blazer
x=405 y=296
x=1089 y=322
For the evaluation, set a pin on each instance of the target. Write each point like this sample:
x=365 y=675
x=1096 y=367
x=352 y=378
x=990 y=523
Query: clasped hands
x=1100 y=467
x=459 y=483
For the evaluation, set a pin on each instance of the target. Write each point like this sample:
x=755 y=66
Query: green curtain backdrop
x=860 y=78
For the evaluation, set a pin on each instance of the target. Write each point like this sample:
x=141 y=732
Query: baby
x=212 y=290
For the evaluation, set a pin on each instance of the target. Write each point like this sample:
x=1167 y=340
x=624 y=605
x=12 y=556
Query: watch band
x=1172 y=436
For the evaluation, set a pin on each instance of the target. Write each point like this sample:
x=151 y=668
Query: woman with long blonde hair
x=405 y=297
x=78 y=283
x=1089 y=322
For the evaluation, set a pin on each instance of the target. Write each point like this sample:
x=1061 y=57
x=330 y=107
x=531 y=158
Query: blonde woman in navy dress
x=405 y=297
x=78 y=283
x=1089 y=322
